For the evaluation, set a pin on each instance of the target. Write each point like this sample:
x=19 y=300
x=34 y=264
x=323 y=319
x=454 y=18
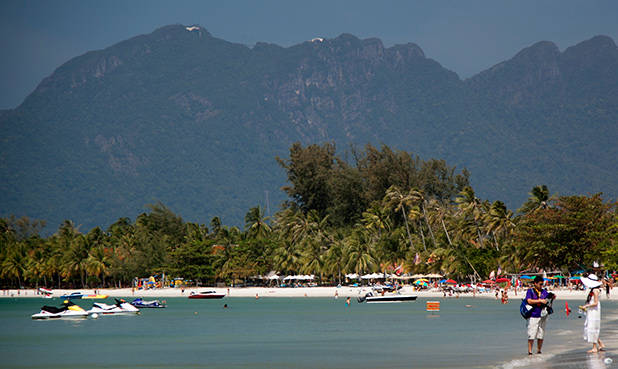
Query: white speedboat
x=121 y=307
x=67 y=311
x=206 y=295
x=385 y=295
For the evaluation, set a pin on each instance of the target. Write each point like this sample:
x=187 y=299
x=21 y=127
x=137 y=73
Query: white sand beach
x=265 y=292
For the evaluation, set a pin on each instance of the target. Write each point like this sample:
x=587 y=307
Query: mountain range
x=194 y=121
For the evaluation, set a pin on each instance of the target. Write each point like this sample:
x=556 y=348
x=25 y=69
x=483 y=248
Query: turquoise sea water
x=292 y=333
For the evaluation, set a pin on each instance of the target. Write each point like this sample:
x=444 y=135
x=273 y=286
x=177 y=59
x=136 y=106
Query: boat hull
x=104 y=309
x=390 y=299
x=209 y=296
x=44 y=315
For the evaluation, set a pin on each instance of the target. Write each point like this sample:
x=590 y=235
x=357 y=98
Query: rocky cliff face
x=195 y=121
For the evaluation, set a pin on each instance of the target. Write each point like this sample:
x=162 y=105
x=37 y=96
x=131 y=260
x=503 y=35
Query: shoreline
x=343 y=291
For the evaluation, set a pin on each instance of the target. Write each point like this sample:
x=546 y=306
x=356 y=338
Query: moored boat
x=386 y=295
x=68 y=310
x=95 y=296
x=390 y=298
x=154 y=304
x=121 y=307
x=79 y=295
x=206 y=295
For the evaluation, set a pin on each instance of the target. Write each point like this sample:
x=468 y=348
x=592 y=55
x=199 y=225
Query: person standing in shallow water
x=537 y=297
x=592 y=327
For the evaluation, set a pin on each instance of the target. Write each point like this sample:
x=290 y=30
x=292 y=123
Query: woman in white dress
x=592 y=327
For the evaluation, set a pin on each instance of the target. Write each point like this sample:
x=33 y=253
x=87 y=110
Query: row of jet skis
x=70 y=310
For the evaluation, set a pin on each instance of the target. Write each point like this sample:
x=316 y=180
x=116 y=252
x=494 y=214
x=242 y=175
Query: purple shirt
x=536 y=308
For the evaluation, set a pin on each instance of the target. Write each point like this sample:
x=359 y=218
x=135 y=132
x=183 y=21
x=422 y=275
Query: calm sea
x=296 y=333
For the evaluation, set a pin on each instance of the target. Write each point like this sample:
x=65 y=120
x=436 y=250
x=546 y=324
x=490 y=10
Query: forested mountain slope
x=196 y=122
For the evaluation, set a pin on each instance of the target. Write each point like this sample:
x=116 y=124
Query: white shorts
x=536 y=328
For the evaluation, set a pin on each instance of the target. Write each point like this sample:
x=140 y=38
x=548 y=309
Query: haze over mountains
x=195 y=122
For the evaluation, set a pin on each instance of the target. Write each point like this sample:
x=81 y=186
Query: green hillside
x=196 y=122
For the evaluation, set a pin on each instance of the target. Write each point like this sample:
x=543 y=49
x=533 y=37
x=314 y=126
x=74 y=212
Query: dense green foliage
x=386 y=211
x=194 y=121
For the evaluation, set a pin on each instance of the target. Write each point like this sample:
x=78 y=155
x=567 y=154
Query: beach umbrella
x=488 y=281
x=451 y=281
x=442 y=281
x=420 y=283
x=352 y=276
x=525 y=277
x=575 y=278
x=433 y=276
x=502 y=280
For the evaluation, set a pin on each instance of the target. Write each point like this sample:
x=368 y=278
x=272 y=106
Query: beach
x=343 y=291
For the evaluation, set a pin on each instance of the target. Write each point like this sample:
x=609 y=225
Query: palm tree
x=539 y=197
x=376 y=221
x=256 y=223
x=499 y=221
x=286 y=257
x=396 y=198
x=421 y=201
x=13 y=265
x=74 y=259
x=359 y=255
x=98 y=262
x=334 y=258
x=472 y=208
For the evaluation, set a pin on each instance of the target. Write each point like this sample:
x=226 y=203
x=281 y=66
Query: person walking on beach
x=592 y=327
x=537 y=297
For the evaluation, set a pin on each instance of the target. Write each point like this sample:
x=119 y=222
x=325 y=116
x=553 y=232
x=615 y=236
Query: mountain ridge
x=194 y=121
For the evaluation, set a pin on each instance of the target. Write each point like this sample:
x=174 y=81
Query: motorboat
x=385 y=295
x=73 y=296
x=206 y=295
x=79 y=295
x=140 y=303
x=121 y=307
x=68 y=310
x=97 y=296
x=45 y=291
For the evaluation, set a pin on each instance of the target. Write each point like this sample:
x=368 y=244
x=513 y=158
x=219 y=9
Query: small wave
x=526 y=362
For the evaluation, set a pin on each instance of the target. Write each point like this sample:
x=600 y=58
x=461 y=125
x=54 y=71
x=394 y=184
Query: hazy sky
x=465 y=36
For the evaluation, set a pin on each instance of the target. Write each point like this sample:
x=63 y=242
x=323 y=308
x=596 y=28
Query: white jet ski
x=68 y=310
x=121 y=307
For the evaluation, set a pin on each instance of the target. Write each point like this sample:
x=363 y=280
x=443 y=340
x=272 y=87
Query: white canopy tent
x=299 y=277
x=373 y=276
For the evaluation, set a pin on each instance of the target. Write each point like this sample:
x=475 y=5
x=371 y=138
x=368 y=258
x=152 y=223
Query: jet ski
x=68 y=310
x=139 y=303
x=121 y=307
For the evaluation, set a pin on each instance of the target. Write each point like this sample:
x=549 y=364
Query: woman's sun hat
x=591 y=281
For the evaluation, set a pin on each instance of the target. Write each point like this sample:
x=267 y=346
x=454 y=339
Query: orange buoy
x=432 y=305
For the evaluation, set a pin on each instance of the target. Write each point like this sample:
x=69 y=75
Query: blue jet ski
x=139 y=303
